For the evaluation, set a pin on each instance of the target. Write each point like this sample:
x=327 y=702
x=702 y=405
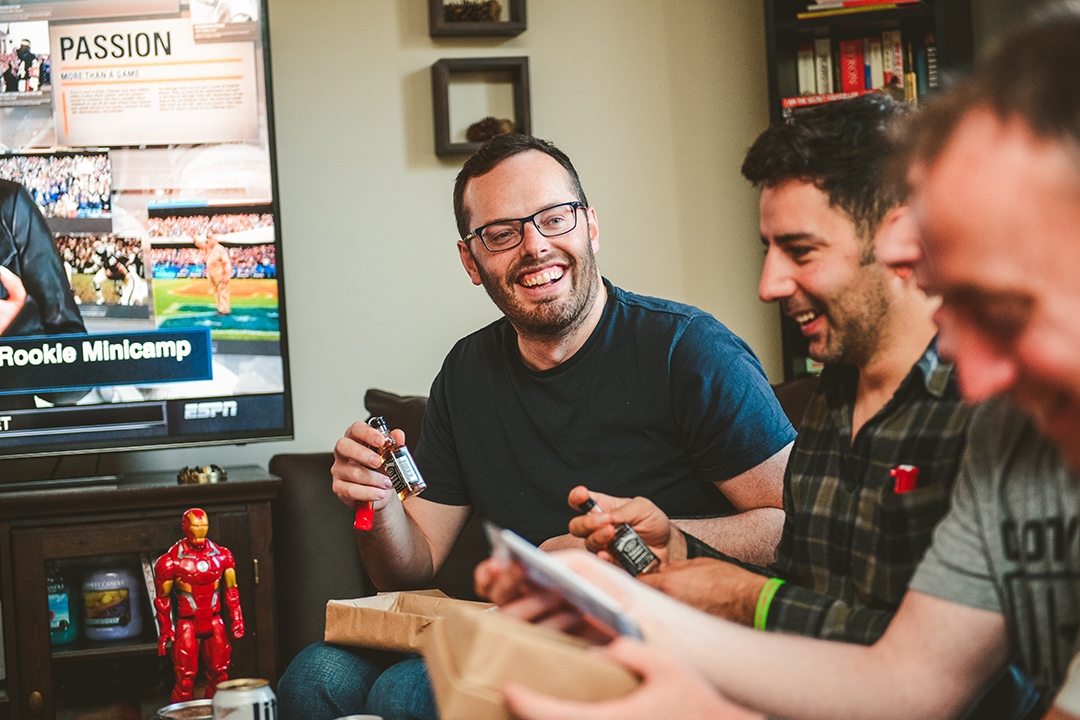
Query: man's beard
x=552 y=318
x=857 y=324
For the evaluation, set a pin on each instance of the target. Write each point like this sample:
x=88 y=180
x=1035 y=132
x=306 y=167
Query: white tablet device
x=547 y=573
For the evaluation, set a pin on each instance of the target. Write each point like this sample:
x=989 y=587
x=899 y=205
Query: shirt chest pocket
x=907 y=522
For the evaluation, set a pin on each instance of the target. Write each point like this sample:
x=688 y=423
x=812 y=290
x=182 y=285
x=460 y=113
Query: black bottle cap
x=588 y=505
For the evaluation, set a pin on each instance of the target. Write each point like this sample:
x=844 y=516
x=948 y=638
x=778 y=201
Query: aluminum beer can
x=245 y=699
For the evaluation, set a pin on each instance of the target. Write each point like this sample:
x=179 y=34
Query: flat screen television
x=142 y=132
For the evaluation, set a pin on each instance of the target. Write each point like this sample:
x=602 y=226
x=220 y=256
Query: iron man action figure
x=194 y=568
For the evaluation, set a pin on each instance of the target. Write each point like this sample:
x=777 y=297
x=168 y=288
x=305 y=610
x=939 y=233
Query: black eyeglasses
x=508 y=234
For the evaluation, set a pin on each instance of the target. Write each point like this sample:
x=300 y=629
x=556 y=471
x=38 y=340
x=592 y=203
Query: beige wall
x=655 y=102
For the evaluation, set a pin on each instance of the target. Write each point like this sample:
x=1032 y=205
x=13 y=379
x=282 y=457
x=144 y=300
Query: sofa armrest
x=315 y=558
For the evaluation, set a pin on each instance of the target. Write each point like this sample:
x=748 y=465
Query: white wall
x=655 y=102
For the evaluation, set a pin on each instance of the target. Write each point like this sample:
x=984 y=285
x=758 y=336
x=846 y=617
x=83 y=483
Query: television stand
x=131 y=518
x=60 y=484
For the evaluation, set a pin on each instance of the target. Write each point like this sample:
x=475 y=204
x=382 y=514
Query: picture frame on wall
x=491 y=70
x=472 y=18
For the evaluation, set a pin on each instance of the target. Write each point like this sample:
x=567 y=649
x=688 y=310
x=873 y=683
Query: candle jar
x=112 y=602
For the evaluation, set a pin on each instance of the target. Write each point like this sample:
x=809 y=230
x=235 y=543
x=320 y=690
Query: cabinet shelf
x=81 y=649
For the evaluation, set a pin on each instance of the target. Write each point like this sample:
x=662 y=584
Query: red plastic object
x=364 y=517
x=907 y=478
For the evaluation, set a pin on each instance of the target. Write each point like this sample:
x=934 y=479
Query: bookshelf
x=929 y=29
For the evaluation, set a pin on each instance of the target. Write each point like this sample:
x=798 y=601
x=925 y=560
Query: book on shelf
x=921 y=70
x=799 y=101
x=911 y=86
x=875 y=69
x=831 y=10
x=931 y=61
x=823 y=66
x=804 y=58
x=852 y=66
x=830 y=4
x=892 y=57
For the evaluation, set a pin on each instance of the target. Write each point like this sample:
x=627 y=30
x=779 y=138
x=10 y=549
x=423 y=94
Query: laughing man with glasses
x=580 y=383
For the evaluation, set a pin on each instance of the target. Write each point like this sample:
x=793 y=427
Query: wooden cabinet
x=943 y=25
x=138 y=516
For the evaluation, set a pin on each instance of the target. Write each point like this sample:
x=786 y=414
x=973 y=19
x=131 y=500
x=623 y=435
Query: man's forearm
x=395 y=552
x=932 y=662
x=791 y=676
x=908 y=675
x=750 y=536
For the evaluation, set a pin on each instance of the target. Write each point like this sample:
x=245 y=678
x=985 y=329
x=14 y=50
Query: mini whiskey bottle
x=398 y=463
x=627 y=547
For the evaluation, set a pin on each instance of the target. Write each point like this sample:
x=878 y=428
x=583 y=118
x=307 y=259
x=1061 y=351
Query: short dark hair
x=493 y=152
x=840 y=147
x=1032 y=74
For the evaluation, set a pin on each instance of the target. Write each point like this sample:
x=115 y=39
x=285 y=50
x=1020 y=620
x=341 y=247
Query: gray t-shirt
x=1011 y=541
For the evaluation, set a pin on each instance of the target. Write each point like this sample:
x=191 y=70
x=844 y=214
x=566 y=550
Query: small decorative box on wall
x=490 y=69
x=464 y=18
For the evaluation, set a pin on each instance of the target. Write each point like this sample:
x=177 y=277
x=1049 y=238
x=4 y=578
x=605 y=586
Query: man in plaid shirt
x=880 y=444
x=881 y=440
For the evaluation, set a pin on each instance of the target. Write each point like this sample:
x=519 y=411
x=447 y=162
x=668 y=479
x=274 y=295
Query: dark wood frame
x=440 y=28
x=518 y=67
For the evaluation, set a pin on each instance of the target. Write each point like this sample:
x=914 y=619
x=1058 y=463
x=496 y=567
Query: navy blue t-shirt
x=661 y=401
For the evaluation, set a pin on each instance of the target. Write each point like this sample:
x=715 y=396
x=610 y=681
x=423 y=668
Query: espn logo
x=204 y=410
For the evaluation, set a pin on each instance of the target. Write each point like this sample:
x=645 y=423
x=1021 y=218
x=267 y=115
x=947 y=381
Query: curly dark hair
x=493 y=152
x=842 y=148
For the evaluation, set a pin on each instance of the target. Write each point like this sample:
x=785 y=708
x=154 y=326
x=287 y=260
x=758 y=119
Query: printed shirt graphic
x=1011 y=542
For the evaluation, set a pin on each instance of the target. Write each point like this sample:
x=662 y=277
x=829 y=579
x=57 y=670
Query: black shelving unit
x=948 y=20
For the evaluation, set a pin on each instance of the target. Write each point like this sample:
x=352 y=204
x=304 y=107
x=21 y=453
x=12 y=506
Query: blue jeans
x=325 y=682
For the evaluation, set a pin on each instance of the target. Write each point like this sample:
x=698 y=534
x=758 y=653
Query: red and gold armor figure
x=192 y=572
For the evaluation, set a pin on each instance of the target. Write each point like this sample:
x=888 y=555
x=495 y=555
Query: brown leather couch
x=314 y=554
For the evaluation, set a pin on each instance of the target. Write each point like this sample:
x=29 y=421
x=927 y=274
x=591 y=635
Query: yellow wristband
x=761 y=613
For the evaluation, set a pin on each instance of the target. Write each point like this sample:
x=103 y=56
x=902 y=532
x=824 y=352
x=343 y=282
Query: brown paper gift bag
x=389 y=621
x=470 y=655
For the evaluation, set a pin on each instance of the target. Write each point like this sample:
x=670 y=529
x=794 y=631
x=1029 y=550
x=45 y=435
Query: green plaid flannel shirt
x=850 y=544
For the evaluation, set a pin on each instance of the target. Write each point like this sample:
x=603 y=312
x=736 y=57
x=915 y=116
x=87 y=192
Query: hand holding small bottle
x=359 y=480
x=370 y=454
x=599 y=529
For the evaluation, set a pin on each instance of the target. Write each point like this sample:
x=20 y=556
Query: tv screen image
x=155 y=314
x=65 y=185
x=25 y=63
x=216 y=268
x=107 y=274
x=72 y=189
